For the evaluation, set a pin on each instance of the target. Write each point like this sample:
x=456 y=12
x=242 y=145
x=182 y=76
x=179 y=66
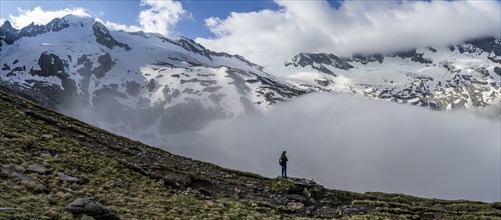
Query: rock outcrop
x=91 y=207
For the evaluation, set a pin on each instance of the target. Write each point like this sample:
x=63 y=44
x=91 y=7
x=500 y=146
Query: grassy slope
x=138 y=181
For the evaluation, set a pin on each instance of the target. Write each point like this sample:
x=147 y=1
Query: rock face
x=104 y=37
x=91 y=207
x=319 y=62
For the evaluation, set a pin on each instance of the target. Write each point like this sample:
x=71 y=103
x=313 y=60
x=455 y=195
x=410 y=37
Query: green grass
x=126 y=188
x=160 y=185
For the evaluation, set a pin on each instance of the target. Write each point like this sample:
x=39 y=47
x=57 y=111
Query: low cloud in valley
x=362 y=145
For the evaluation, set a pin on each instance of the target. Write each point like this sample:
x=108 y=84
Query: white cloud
x=115 y=26
x=359 y=144
x=40 y=16
x=271 y=37
x=162 y=16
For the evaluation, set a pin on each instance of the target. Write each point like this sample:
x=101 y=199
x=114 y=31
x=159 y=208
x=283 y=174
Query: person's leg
x=283 y=171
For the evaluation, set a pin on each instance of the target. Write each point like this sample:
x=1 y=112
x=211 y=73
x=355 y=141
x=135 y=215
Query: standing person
x=283 y=162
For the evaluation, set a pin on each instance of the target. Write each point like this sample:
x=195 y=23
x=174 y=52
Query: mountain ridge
x=466 y=75
x=130 y=72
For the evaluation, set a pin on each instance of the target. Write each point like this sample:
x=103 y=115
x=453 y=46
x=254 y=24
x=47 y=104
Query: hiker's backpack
x=281 y=161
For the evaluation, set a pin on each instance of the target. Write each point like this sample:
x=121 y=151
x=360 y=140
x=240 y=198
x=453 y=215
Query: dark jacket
x=283 y=160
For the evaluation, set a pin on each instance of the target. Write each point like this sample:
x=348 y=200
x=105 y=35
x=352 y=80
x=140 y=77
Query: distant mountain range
x=139 y=82
x=459 y=76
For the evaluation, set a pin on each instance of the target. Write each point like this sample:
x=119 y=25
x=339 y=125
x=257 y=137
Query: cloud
x=359 y=144
x=115 y=26
x=159 y=16
x=492 y=111
x=40 y=16
x=162 y=16
x=274 y=36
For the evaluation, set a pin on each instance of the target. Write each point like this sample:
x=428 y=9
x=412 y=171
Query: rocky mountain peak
x=7 y=25
x=56 y=24
x=7 y=33
x=10 y=34
x=104 y=37
x=31 y=30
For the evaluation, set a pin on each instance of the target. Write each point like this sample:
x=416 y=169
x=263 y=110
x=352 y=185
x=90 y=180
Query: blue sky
x=270 y=31
x=126 y=11
x=200 y=10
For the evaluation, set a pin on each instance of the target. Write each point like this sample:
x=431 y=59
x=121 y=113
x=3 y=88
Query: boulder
x=90 y=207
x=20 y=168
x=45 y=155
x=37 y=168
x=46 y=137
x=306 y=193
x=64 y=177
x=30 y=183
x=316 y=192
x=295 y=206
x=8 y=210
x=296 y=197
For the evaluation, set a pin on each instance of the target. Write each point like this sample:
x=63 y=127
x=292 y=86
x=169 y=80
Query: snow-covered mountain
x=132 y=81
x=458 y=76
x=144 y=83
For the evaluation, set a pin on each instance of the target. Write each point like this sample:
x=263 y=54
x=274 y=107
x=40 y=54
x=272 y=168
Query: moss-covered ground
x=141 y=182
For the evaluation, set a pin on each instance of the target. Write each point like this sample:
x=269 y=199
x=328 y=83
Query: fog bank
x=360 y=145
